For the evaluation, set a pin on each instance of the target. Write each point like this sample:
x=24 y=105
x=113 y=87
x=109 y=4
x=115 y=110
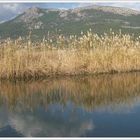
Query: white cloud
x=134 y=5
x=10 y=10
x=31 y=125
x=84 y=4
x=12 y=7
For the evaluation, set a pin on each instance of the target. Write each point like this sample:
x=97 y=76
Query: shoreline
x=53 y=77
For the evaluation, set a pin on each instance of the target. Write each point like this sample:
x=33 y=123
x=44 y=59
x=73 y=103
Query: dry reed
x=87 y=54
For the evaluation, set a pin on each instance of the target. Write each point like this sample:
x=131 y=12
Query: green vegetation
x=70 y=23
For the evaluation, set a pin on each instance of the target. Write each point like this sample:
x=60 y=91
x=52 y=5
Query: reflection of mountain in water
x=53 y=122
x=57 y=107
x=8 y=131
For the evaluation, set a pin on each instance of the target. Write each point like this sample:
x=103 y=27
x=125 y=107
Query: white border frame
x=70 y=1
x=75 y=138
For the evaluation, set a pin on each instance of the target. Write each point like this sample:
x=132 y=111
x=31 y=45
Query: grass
x=87 y=54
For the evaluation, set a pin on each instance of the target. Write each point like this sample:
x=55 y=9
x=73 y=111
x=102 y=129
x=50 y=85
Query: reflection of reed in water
x=88 y=92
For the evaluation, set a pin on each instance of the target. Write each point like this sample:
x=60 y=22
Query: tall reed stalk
x=87 y=54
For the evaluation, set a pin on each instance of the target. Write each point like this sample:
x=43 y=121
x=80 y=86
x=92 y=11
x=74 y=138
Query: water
x=91 y=106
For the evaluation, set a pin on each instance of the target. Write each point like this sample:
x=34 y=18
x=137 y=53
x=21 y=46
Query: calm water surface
x=105 y=105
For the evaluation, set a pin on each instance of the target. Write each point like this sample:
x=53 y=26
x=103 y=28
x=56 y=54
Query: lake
x=106 y=105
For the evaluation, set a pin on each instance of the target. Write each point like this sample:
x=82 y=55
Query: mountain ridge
x=71 y=21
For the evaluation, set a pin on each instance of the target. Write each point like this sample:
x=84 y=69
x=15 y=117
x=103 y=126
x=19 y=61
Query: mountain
x=100 y=19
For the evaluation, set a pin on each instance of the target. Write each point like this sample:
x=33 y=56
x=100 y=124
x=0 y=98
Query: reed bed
x=86 y=54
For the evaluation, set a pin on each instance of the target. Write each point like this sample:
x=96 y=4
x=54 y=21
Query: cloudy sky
x=10 y=10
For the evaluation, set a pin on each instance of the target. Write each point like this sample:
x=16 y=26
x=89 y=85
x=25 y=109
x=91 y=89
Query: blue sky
x=10 y=10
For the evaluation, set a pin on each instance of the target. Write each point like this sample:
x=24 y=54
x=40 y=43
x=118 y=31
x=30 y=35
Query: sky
x=11 y=10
